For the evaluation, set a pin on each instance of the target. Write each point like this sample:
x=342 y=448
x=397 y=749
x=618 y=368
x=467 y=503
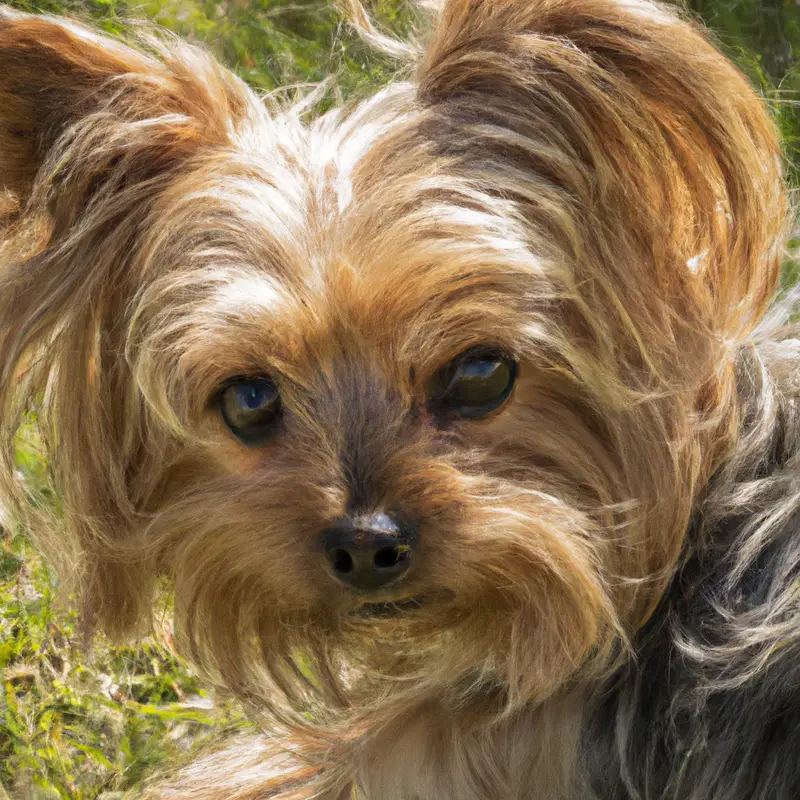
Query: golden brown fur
x=586 y=185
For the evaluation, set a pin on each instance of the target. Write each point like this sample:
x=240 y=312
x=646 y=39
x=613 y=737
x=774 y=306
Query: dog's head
x=414 y=399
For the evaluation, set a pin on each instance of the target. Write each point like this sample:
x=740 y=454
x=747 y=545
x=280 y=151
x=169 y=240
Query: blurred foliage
x=76 y=724
x=763 y=37
x=270 y=43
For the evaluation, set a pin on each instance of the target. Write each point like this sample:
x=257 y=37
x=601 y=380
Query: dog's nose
x=369 y=552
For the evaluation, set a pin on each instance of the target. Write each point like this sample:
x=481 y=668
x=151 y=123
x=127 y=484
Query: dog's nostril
x=388 y=557
x=342 y=562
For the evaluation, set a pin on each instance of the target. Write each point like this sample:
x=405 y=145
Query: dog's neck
x=426 y=753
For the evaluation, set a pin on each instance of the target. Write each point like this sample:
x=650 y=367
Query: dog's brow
x=250 y=293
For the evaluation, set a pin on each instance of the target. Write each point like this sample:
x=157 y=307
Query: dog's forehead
x=367 y=230
x=306 y=245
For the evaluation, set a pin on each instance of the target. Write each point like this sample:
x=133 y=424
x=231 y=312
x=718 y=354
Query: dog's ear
x=647 y=140
x=92 y=133
x=50 y=75
x=55 y=74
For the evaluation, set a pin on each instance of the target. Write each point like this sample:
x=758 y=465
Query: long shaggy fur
x=608 y=577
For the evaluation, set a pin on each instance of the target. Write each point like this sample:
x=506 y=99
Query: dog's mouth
x=390 y=608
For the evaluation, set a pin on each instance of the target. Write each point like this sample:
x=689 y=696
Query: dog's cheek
x=231 y=457
x=530 y=571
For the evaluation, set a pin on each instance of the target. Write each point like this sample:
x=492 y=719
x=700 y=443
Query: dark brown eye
x=250 y=408
x=480 y=382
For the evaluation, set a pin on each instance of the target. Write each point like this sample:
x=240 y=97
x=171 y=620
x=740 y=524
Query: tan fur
x=585 y=184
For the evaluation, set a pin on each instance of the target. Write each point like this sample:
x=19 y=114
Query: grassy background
x=76 y=724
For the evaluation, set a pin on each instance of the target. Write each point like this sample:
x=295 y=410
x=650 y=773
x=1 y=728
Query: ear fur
x=50 y=72
x=675 y=149
x=92 y=131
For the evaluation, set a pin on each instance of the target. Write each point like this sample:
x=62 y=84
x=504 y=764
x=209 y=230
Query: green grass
x=77 y=724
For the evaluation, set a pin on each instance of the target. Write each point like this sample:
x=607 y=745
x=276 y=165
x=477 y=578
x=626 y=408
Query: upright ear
x=51 y=73
x=92 y=133
x=636 y=121
x=55 y=73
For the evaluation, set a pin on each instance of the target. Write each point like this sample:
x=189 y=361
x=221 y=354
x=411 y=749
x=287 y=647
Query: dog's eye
x=250 y=407
x=479 y=383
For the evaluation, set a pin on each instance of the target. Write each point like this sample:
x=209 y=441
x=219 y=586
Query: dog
x=461 y=421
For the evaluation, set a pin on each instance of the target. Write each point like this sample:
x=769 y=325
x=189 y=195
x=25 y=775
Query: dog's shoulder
x=710 y=706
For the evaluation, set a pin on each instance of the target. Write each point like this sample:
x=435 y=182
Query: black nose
x=369 y=552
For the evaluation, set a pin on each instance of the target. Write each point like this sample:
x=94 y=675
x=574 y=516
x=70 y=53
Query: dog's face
x=415 y=398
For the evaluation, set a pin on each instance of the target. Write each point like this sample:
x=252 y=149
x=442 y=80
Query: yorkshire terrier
x=454 y=419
